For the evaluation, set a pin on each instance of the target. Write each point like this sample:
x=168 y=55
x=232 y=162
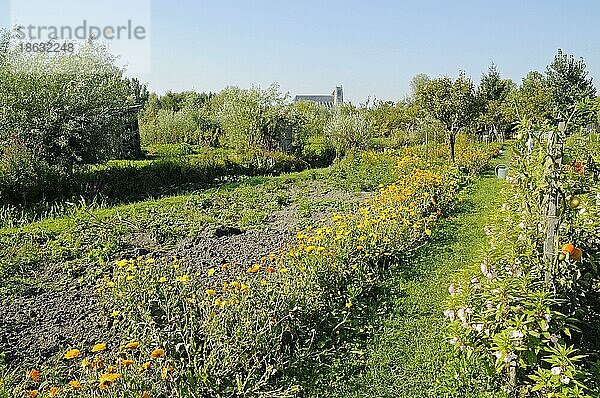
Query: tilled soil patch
x=40 y=322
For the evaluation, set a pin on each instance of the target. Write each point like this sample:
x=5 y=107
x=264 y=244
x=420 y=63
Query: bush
x=347 y=130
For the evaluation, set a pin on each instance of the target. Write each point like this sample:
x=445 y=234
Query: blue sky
x=372 y=48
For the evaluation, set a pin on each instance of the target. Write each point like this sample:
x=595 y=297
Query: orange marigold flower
x=35 y=375
x=33 y=393
x=75 y=384
x=127 y=362
x=111 y=369
x=53 y=391
x=73 y=353
x=159 y=352
x=359 y=247
x=568 y=248
x=99 y=347
x=145 y=394
x=254 y=269
x=271 y=270
x=132 y=345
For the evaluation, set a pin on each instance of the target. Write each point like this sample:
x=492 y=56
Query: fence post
x=555 y=151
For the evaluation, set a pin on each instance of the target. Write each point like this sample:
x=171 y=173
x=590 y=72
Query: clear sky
x=373 y=48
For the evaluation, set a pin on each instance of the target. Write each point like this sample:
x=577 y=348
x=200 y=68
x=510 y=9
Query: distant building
x=328 y=101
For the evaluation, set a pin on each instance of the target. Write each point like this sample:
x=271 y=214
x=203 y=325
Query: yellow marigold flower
x=150 y=261
x=144 y=366
x=33 y=393
x=122 y=263
x=86 y=364
x=163 y=279
x=107 y=379
x=110 y=284
x=218 y=302
x=210 y=292
x=127 y=362
x=99 y=347
x=115 y=313
x=243 y=287
x=165 y=372
x=130 y=278
x=52 y=391
x=254 y=269
x=428 y=232
x=349 y=304
x=34 y=374
x=211 y=272
x=283 y=270
x=132 y=345
x=111 y=369
x=75 y=384
x=157 y=353
x=183 y=278
x=73 y=353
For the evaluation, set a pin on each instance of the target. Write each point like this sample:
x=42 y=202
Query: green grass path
x=409 y=353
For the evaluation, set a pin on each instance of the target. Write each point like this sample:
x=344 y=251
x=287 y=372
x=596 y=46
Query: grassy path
x=409 y=354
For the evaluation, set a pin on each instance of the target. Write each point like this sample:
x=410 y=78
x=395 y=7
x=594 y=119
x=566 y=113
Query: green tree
x=418 y=82
x=347 y=129
x=531 y=101
x=452 y=103
x=491 y=97
x=570 y=84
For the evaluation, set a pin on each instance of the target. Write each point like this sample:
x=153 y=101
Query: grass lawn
x=408 y=355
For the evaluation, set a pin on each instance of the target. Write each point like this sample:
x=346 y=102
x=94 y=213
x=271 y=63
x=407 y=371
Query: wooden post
x=555 y=151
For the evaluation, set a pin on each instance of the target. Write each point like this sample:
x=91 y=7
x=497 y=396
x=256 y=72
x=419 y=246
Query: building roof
x=326 y=100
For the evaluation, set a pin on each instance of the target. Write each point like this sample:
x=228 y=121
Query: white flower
x=454 y=340
x=498 y=355
x=487 y=230
x=556 y=370
x=450 y=314
x=452 y=289
x=564 y=379
x=479 y=327
x=461 y=314
x=484 y=269
x=522 y=225
x=547 y=317
x=474 y=280
x=554 y=338
x=510 y=357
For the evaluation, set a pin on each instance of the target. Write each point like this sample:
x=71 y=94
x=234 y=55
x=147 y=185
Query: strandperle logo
x=84 y=31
